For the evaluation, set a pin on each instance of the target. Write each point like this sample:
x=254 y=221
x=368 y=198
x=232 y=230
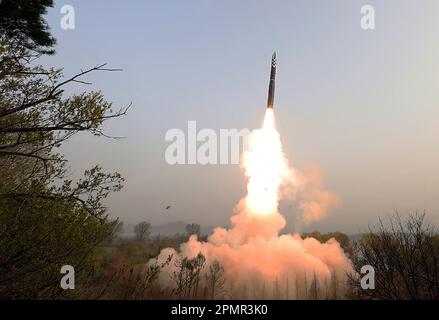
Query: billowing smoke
x=315 y=201
x=251 y=260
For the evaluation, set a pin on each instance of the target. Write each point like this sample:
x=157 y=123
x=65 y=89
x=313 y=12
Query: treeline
x=403 y=252
x=405 y=256
x=122 y=269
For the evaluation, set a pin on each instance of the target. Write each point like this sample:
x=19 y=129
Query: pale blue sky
x=362 y=105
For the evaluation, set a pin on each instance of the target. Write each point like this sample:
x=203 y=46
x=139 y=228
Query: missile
x=272 y=84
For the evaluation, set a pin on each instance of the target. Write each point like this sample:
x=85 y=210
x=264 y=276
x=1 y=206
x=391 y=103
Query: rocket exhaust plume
x=259 y=263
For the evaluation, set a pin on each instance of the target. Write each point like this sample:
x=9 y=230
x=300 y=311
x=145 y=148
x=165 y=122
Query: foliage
x=187 y=276
x=128 y=282
x=215 y=281
x=37 y=237
x=46 y=219
x=341 y=238
x=142 y=230
x=193 y=228
x=405 y=257
x=23 y=21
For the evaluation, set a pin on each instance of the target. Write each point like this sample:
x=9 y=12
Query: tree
x=46 y=219
x=405 y=258
x=193 y=228
x=341 y=238
x=142 y=231
x=314 y=289
x=116 y=233
x=187 y=276
x=215 y=280
x=23 y=21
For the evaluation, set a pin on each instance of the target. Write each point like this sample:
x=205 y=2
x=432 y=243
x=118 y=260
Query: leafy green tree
x=23 y=21
x=142 y=230
x=47 y=220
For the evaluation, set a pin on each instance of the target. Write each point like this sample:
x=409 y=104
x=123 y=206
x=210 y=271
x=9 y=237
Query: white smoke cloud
x=258 y=262
x=315 y=201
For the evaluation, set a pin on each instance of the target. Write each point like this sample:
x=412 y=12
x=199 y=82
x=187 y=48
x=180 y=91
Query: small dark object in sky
x=168 y=207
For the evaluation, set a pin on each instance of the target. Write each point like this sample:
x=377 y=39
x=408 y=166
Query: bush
x=405 y=257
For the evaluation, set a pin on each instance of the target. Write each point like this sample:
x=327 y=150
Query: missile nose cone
x=273 y=59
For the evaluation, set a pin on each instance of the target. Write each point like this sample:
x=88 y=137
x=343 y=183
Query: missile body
x=272 y=84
